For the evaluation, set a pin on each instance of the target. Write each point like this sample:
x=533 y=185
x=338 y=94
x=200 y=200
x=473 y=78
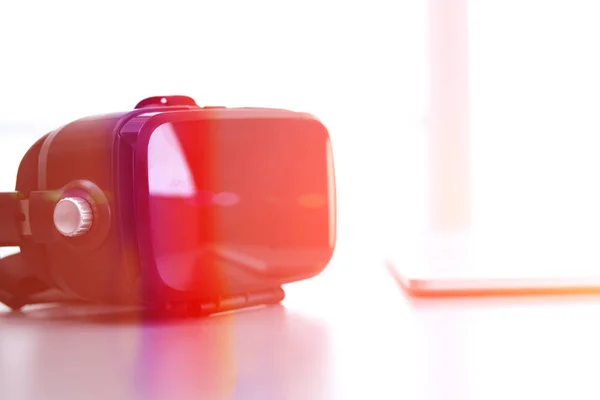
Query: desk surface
x=348 y=334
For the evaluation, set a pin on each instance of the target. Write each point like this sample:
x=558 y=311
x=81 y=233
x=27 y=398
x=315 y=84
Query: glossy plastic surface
x=221 y=273
x=251 y=193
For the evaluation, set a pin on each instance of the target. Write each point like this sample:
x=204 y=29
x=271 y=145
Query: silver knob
x=73 y=216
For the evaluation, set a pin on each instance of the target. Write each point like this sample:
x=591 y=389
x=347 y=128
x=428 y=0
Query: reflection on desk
x=78 y=352
x=347 y=334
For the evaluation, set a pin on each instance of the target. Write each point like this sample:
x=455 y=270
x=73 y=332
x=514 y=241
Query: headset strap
x=17 y=283
x=11 y=219
x=19 y=286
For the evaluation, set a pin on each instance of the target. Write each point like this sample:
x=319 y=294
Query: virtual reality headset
x=171 y=206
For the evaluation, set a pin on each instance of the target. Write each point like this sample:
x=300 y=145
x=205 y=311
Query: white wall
x=535 y=127
x=357 y=66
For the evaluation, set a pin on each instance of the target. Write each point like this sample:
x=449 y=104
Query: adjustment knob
x=73 y=216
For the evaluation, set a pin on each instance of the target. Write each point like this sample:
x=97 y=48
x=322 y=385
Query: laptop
x=528 y=226
x=460 y=264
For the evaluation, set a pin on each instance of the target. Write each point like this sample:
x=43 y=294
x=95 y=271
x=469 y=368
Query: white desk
x=349 y=334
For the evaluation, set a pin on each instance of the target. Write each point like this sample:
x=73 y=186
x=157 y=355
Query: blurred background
x=359 y=68
x=530 y=137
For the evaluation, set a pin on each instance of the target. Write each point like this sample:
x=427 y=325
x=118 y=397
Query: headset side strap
x=17 y=282
x=19 y=285
x=11 y=219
